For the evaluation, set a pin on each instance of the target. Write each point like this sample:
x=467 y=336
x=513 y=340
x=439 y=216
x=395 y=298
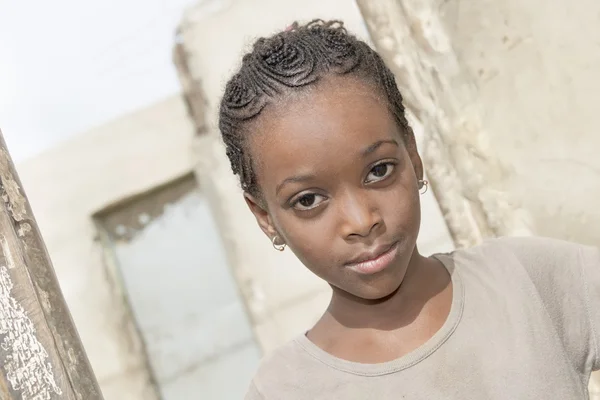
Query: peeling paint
x=45 y=299
x=13 y=197
x=24 y=229
x=7 y=253
x=25 y=358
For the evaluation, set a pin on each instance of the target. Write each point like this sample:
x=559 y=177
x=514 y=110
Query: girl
x=315 y=128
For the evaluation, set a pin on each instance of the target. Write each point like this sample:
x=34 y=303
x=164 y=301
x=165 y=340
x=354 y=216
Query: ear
x=415 y=158
x=261 y=214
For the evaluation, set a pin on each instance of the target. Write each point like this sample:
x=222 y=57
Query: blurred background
x=109 y=110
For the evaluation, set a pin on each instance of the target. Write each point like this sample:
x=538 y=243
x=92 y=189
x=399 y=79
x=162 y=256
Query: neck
x=394 y=311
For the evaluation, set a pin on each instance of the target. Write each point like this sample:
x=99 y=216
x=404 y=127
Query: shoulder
x=541 y=256
x=565 y=276
x=528 y=252
x=280 y=372
x=555 y=267
x=538 y=248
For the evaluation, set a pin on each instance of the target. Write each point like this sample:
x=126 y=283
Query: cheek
x=401 y=209
x=314 y=241
x=311 y=240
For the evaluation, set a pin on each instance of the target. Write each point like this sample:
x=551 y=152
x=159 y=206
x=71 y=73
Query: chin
x=380 y=293
x=383 y=286
x=380 y=288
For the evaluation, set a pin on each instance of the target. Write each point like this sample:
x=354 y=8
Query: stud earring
x=423 y=183
x=278 y=247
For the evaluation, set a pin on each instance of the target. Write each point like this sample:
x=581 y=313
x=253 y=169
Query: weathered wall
x=535 y=68
x=66 y=186
x=506 y=93
x=283 y=298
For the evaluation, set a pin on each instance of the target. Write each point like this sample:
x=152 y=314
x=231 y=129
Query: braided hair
x=287 y=61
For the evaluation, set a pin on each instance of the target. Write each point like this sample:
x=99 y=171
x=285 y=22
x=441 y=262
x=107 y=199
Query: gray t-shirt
x=524 y=324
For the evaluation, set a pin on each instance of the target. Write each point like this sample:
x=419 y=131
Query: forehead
x=322 y=127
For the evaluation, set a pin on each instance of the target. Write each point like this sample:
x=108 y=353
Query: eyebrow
x=308 y=177
x=294 y=179
x=377 y=145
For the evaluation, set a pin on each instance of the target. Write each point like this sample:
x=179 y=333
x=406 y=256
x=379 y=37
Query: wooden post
x=41 y=355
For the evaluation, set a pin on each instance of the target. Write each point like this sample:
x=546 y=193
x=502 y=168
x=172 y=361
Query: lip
x=374 y=261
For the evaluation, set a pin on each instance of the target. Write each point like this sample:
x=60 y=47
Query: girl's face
x=339 y=185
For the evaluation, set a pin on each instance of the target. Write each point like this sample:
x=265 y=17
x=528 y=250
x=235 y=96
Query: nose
x=360 y=218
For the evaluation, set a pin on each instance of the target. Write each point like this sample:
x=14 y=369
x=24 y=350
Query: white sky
x=69 y=65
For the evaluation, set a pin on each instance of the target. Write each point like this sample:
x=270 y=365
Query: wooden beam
x=41 y=354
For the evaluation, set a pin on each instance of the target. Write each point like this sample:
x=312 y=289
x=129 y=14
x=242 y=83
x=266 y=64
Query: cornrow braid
x=296 y=57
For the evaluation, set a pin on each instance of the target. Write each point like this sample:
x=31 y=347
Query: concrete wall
x=66 y=186
x=535 y=66
x=283 y=298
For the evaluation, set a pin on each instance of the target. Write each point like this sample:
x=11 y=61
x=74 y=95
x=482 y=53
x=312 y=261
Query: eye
x=380 y=172
x=308 y=201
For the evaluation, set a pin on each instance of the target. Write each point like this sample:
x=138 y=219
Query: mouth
x=374 y=261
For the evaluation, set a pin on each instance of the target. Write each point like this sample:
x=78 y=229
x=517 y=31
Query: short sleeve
x=567 y=278
x=253 y=393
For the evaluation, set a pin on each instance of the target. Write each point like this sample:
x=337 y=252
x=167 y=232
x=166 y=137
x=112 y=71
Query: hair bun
x=286 y=59
x=341 y=49
x=241 y=99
